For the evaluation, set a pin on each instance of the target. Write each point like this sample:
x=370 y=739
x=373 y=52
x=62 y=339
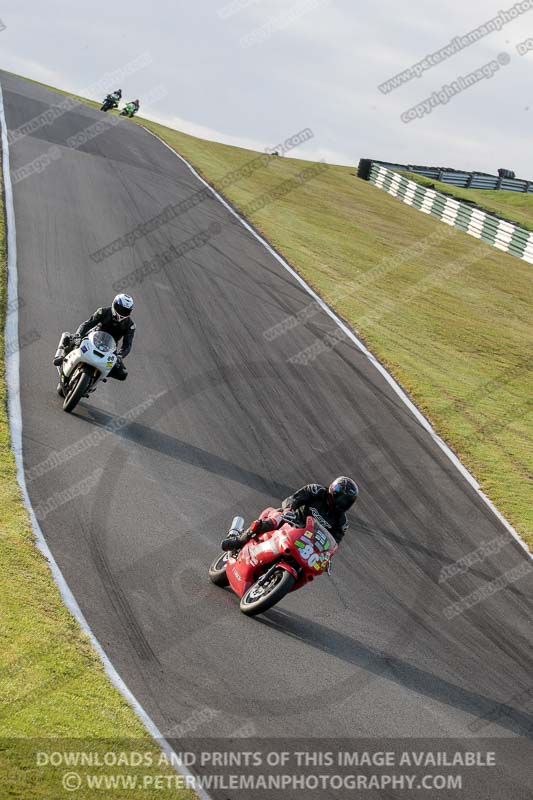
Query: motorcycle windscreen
x=103 y=341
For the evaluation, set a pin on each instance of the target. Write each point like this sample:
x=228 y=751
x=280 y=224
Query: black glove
x=289 y=516
x=256 y=527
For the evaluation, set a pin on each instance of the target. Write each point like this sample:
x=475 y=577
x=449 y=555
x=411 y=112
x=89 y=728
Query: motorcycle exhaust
x=236 y=527
x=60 y=352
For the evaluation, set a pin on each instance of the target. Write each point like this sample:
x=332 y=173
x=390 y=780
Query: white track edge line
x=15 y=424
x=370 y=356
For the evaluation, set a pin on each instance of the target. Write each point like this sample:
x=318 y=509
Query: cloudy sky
x=254 y=72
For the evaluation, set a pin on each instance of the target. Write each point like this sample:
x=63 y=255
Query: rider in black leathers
x=113 y=319
x=112 y=100
x=326 y=504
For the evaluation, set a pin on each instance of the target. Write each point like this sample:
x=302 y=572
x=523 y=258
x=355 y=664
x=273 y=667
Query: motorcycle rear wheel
x=217 y=570
x=74 y=395
x=260 y=598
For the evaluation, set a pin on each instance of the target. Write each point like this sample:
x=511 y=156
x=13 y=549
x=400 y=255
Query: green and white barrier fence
x=501 y=234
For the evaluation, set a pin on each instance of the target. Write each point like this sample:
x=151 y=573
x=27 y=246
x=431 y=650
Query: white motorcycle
x=85 y=366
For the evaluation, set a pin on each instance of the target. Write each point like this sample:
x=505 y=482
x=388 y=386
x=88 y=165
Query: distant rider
x=115 y=320
x=114 y=98
x=327 y=504
x=131 y=108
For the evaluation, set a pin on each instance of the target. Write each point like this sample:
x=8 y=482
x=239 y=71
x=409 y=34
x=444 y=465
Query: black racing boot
x=235 y=542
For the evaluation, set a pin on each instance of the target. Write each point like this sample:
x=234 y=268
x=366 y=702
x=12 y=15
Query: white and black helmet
x=122 y=306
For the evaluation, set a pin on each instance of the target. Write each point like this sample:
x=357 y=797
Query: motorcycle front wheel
x=260 y=598
x=74 y=394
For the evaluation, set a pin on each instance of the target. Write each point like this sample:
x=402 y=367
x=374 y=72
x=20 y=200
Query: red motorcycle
x=275 y=563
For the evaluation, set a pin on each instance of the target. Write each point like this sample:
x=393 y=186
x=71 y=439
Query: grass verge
x=52 y=684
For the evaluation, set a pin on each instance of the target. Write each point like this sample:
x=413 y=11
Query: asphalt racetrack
x=220 y=423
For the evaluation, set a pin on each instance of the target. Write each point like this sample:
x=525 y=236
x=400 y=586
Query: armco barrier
x=501 y=234
x=455 y=177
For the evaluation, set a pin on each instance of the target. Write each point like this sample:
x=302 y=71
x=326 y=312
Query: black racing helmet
x=343 y=493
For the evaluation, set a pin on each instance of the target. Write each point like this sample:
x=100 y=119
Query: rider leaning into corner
x=115 y=320
x=327 y=504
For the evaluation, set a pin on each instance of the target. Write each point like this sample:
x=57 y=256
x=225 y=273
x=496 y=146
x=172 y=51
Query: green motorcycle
x=130 y=109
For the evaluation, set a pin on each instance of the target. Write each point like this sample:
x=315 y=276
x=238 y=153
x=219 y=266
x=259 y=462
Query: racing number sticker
x=308 y=552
